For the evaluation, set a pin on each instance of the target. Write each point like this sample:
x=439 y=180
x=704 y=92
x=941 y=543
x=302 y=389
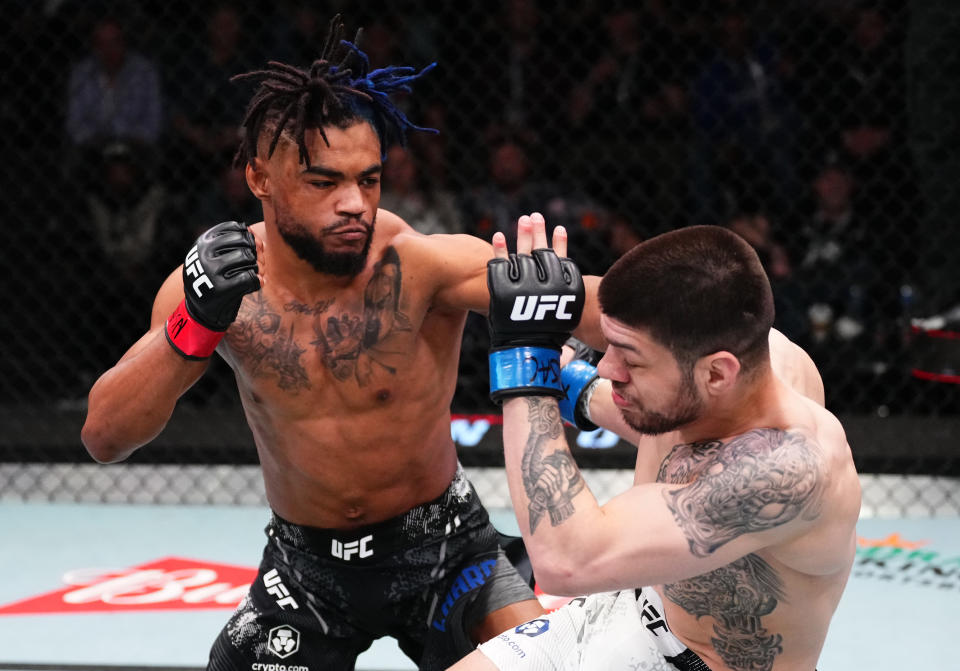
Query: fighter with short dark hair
x=732 y=548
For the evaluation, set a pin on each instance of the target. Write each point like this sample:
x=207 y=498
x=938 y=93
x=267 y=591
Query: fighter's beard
x=310 y=248
x=686 y=407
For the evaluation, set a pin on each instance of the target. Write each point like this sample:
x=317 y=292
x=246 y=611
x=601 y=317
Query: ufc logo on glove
x=192 y=267
x=536 y=300
x=526 y=308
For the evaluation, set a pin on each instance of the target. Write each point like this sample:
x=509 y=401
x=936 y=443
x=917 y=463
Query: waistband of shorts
x=688 y=660
x=397 y=533
x=671 y=647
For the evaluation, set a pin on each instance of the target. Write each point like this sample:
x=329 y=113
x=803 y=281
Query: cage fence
x=822 y=132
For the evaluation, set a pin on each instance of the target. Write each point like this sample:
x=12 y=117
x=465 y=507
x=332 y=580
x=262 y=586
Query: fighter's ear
x=718 y=372
x=257 y=178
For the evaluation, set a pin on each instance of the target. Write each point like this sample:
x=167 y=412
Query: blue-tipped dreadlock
x=336 y=91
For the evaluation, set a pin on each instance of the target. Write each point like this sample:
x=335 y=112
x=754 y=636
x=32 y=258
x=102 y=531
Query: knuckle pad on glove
x=548 y=262
x=528 y=268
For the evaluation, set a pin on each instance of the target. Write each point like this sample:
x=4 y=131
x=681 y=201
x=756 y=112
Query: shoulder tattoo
x=550 y=481
x=756 y=481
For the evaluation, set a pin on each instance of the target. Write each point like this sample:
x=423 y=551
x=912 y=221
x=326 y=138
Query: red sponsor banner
x=172 y=583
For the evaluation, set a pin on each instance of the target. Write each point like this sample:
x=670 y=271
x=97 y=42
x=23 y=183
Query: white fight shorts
x=612 y=630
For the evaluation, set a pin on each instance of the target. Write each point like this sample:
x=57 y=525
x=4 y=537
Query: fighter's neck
x=291 y=275
x=755 y=405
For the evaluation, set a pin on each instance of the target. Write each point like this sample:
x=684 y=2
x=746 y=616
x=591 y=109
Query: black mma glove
x=220 y=269
x=579 y=378
x=536 y=300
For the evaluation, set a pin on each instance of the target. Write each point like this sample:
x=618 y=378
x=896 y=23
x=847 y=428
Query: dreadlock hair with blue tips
x=336 y=91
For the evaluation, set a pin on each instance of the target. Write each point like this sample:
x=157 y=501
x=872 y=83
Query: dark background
x=820 y=131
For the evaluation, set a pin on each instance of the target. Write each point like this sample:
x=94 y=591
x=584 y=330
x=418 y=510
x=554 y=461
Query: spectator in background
x=753 y=222
x=508 y=190
x=829 y=247
x=623 y=233
x=113 y=93
x=513 y=55
x=870 y=95
x=629 y=115
x=382 y=40
x=227 y=199
x=118 y=251
x=511 y=188
x=433 y=149
x=527 y=46
x=406 y=193
x=845 y=283
x=207 y=108
x=855 y=95
x=745 y=123
x=631 y=220
x=125 y=211
x=858 y=74
x=753 y=225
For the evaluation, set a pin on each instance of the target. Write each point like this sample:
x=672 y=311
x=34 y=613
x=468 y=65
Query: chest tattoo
x=352 y=345
x=260 y=338
x=754 y=482
x=348 y=344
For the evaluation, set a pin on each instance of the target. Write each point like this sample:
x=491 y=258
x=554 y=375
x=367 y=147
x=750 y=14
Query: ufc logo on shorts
x=276 y=588
x=194 y=269
x=526 y=308
x=345 y=551
x=652 y=618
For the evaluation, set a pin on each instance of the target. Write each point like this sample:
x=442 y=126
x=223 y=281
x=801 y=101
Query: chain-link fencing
x=820 y=131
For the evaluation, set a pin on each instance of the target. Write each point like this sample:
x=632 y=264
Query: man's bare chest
x=295 y=347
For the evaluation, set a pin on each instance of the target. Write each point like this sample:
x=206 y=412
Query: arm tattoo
x=737 y=596
x=267 y=349
x=757 y=481
x=553 y=480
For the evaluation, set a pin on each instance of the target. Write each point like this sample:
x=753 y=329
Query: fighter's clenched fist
x=219 y=270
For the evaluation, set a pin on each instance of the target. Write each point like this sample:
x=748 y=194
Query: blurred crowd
x=794 y=123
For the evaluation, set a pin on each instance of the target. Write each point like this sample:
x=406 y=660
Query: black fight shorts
x=322 y=596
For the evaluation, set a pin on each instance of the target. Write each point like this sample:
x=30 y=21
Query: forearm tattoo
x=550 y=481
x=756 y=481
x=737 y=596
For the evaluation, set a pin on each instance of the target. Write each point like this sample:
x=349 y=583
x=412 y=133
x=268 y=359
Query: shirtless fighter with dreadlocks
x=343 y=326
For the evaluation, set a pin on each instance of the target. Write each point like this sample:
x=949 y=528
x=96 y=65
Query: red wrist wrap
x=190 y=339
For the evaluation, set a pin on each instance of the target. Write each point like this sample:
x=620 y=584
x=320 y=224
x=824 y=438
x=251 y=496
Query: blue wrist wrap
x=575 y=377
x=525 y=371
